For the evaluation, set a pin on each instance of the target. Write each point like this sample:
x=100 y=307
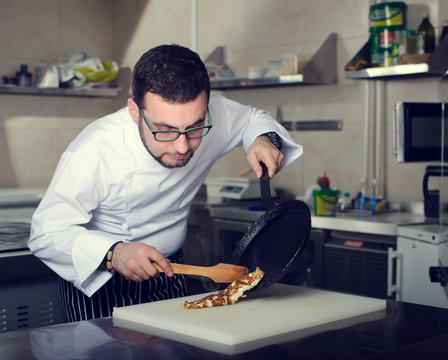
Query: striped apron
x=118 y=292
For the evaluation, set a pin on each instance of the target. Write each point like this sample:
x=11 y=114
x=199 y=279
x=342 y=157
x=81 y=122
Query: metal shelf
x=320 y=70
x=437 y=65
x=409 y=70
x=235 y=83
x=94 y=92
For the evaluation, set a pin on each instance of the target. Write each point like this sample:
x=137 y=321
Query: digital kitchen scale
x=238 y=188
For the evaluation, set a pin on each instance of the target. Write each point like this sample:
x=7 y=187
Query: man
x=121 y=194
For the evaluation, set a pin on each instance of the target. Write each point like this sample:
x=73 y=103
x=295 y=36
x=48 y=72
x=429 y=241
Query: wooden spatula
x=221 y=273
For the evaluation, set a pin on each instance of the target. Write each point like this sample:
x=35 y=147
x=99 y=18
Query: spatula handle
x=220 y=273
x=185 y=269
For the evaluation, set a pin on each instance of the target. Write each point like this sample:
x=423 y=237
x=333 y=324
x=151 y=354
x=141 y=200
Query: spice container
x=408 y=42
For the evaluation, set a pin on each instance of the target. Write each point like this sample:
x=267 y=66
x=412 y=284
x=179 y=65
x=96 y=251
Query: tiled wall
x=34 y=131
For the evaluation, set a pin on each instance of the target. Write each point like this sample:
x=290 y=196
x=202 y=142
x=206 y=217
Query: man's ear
x=133 y=110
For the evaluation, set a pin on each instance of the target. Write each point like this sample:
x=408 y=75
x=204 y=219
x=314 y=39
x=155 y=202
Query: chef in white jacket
x=121 y=194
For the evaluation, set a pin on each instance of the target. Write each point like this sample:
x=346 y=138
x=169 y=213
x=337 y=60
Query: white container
x=256 y=72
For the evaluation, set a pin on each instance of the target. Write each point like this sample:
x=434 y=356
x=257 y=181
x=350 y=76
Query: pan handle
x=265 y=189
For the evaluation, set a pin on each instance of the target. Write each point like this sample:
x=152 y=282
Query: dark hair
x=173 y=72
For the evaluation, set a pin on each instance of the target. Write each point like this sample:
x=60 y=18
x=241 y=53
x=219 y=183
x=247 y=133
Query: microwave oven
x=419 y=131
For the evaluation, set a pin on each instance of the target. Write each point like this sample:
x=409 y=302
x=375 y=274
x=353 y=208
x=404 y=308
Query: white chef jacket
x=108 y=188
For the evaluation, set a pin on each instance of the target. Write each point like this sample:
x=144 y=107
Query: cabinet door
x=415 y=285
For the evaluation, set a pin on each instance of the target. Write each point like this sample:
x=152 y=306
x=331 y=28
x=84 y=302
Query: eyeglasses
x=171 y=135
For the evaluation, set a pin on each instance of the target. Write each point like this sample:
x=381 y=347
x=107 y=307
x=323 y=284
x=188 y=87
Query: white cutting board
x=276 y=311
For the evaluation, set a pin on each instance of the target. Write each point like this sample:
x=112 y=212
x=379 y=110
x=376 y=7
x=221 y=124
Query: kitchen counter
x=385 y=223
x=405 y=330
x=382 y=223
x=14 y=235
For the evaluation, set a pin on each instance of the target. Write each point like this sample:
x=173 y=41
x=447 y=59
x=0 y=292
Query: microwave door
x=417 y=132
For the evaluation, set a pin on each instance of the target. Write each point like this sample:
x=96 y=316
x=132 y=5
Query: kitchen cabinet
x=320 y=70
x=355 y=257
x=29 y=295
x=357 y=263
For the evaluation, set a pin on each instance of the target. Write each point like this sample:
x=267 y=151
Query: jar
x=408 y=42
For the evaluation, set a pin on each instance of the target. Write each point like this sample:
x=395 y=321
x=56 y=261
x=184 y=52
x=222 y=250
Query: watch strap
x=275 y=139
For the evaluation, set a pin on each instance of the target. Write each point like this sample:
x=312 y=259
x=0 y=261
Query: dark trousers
x=118 y=292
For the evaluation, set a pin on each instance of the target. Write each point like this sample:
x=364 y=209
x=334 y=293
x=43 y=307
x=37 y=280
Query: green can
x=388 y=14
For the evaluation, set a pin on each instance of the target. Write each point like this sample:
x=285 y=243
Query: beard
x=159 y=159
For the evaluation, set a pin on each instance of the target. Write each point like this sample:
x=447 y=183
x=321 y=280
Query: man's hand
x=262 y=149
x=133 y=261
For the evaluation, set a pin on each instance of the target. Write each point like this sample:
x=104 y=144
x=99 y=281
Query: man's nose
x=181 y=144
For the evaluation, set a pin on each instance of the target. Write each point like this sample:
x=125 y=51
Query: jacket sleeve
x=59 y=228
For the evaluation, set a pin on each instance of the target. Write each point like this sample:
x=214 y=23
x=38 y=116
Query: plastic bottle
x=344 y=202
x=324 y=182
x=426 y=41
x=326 y=179
x=444 y=31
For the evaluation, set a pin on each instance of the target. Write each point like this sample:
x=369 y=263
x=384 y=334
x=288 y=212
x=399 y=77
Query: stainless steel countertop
x=381 y=224
x=405 y=330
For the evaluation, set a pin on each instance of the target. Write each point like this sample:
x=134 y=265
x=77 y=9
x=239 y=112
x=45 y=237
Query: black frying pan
x=276 y=240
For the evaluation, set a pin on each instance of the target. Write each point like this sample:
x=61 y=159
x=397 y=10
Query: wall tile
x=29 y=29
x=32 y=155
x=222 y=23
x=346 y=17
x=86 y=26
x=143 y=24
x=271 y=23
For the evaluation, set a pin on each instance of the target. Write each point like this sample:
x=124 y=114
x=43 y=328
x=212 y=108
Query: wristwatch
x=275 y=139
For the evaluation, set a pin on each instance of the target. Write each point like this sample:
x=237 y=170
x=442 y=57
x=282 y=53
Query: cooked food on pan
x=231 y=294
